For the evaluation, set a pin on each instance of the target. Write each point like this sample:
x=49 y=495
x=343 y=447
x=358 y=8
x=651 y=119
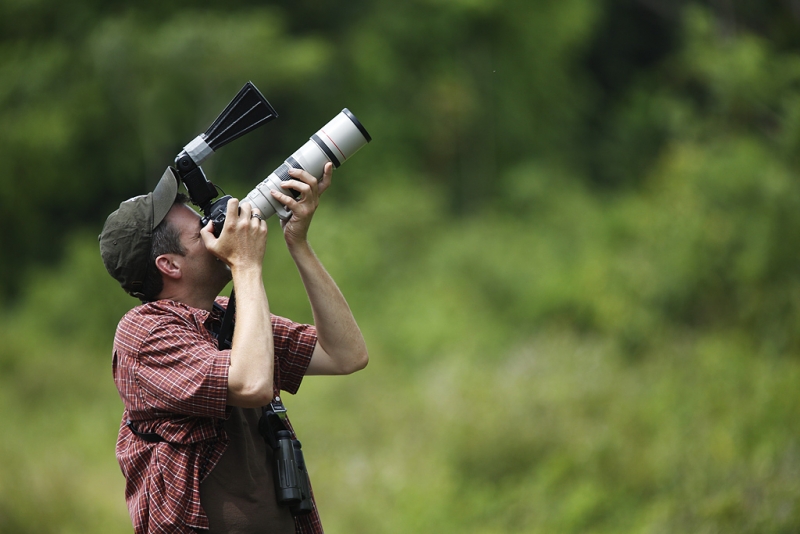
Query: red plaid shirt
x=173 y=381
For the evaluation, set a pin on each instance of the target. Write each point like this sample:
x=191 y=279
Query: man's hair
x=166 y=240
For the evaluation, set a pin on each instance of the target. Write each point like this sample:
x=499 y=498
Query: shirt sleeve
x=294 y=345
x=180 y=370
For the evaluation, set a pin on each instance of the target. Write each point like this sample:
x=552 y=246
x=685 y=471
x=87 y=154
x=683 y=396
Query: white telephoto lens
x=335 y=142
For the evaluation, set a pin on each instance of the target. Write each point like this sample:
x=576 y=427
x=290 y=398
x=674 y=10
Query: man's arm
x=241 y=246
x=341 y=348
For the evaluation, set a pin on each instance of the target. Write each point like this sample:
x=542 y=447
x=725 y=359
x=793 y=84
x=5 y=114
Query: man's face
x=199 y=267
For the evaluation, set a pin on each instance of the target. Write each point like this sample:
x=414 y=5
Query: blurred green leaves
x=571 y=246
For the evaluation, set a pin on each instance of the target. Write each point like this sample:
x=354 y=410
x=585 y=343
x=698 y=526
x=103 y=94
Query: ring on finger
x=257 y=216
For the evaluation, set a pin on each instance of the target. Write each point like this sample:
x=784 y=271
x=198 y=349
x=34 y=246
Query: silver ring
x=257 y=216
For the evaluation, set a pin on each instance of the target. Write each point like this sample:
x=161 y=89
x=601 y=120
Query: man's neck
x=202 y=302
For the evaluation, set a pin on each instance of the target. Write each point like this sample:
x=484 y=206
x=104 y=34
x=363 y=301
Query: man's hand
x=243 y=239
x=295 y=228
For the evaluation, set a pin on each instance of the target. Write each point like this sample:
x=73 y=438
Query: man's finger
x=301 y=175
x=327 y=176
x=286 y=200
x=232 y=210
x=294 y=185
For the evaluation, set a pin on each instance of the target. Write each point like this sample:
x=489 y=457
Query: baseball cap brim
x=164 y=195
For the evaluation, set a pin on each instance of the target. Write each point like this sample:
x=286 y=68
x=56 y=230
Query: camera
x=335 y=142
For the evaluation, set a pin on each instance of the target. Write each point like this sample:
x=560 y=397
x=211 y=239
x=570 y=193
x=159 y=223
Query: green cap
x=126 y=238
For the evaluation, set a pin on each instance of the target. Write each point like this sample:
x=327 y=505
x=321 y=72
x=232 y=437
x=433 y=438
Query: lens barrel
x=335 y=142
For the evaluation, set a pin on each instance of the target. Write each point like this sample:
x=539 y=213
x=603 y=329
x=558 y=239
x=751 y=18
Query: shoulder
x=153 y=313
x=143 y=320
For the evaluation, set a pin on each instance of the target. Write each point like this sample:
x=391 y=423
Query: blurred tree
x=98 y=97
x=93 y=119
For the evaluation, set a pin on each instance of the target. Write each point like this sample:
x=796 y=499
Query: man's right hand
x=243 y=239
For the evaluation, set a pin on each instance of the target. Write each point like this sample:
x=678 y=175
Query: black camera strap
x=271 y=422
x=225 y=334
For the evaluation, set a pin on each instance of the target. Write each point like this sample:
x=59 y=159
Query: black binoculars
x=292 y=486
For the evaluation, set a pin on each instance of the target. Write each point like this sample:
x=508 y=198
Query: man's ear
x=168 y=266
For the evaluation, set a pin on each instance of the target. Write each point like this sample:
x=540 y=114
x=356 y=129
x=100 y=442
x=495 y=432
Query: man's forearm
x=250 y=378
x=337 y=330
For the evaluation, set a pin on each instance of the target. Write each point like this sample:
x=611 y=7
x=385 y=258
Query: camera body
x=216 y=213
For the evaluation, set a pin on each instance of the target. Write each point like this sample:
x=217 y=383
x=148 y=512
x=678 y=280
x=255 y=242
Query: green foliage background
x=572 y=247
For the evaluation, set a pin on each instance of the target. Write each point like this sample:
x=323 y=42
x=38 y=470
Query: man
x=189 y=445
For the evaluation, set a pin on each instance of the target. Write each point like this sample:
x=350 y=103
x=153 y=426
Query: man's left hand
x=295 y=228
